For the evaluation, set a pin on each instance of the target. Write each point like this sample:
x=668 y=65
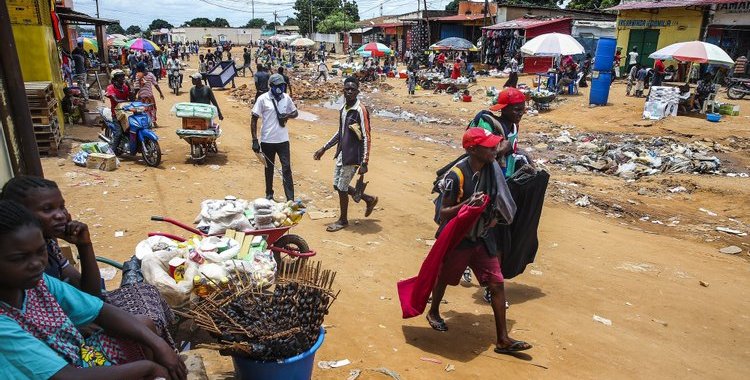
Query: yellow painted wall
x=684 y=25
x=38 y=54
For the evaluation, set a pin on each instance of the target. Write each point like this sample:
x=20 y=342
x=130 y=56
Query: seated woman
x=39 y=316
x=705 y=88
x=43 y=198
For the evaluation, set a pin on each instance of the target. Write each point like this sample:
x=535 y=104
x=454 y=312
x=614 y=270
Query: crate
x=101 y=161
x=48 y=137
x=195 y=123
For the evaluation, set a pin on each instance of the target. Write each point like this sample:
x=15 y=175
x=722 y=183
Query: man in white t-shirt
x=275 y=107
x=322 y=71
x=632 y=58
x=431 y=59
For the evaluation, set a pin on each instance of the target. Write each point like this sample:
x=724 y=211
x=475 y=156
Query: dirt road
x=645 y=278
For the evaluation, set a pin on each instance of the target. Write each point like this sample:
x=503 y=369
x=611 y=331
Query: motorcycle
x=140 y=138
x=738 y=88
x=174 y=80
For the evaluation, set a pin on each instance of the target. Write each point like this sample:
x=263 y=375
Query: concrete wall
x=240 y=36
x=506 y=13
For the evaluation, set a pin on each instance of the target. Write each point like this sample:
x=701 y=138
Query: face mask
x=278 y=91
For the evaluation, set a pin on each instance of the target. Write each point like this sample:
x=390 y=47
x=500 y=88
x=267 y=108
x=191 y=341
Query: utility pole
x=274 y=19
x=97 y=8
x=484 y=24
x=311 y=19
x=252 y=4
x=381 y=9
x=427 y=19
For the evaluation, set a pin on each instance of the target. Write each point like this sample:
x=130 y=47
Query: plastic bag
x=220 y=215
x=219 y=257
x=156 y=273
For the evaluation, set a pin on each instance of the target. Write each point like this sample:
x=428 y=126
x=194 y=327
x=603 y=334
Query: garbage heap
x=631 y=157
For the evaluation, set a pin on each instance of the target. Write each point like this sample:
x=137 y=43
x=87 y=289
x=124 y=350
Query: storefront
x=502 y=41
x=652 y=25
x=729 y=28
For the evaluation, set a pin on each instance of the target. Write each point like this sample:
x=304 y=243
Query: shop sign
x=633 y=23
x=732 y=14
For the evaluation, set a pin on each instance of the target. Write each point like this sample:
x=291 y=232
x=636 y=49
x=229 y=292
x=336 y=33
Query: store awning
x=460 y=18
x=360 y=30
x=72 y=17
x=525 y=23
x=652 y=4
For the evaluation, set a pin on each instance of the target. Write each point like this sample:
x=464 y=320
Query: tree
x=220 y=23
x=160 y=24
x=320 y=10
x=336 y=22
x=452 y=6
x=115 y=29
x=200 y=22
x=273 y=25
x=540 y=3
x=256 y=23
x=291 y=21
x=133 y=29
x=351 y=9
x=591 y=4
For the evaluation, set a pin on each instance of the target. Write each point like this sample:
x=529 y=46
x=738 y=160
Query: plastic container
x=298 y=367
x=605 y=54
x=600 y=82
x=713 y=117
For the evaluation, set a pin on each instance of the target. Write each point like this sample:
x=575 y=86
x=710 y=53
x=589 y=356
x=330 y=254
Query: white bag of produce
x=210 y=248
x=156 y=273
x=261 y=269
x=213 y=271
x=161 y=246
x=223 y=214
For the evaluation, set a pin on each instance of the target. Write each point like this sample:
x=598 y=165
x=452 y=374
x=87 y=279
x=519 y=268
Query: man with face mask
x=275 y=107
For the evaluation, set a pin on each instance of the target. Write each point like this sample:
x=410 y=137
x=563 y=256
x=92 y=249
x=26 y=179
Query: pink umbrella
x=142 y=44
x=694 y=51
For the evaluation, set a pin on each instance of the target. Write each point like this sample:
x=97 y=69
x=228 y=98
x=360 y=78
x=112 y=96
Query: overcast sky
x=237 y=12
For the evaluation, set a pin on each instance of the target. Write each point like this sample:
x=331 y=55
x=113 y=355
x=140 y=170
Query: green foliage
x=220 y=23
x=591 y=4
x=539 y=3
x=291 y=21
x=115 y=29
x=273 y=25
x=159 y=24
x=321 y=9
x=336 y=22
x=452 y=6
x=256 y=23
x=200 y=22
x=133 y=29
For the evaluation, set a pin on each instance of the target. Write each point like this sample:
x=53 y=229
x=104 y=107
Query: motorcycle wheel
x=151 y=152
x=736 y=91
x=176 y=88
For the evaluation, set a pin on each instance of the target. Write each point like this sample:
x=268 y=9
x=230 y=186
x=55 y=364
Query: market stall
x=503 y=40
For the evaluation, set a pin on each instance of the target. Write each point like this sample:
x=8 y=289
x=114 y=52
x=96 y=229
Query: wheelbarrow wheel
x=292 y=243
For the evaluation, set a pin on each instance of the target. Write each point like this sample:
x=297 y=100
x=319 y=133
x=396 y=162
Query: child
x=40 y=316
x=640 y=81
x=632 y=78
x=411 y=80
x=43 y=198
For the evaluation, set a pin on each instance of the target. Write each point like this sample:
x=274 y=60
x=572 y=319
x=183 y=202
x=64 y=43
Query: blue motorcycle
x=140 y=137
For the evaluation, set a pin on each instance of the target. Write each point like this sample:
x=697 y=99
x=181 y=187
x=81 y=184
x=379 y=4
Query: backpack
x=438 y=185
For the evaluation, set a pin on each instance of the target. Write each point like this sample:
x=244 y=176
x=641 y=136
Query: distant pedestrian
x=322 y=71
x=261 y=81
x=632 y=57
x=286 y=80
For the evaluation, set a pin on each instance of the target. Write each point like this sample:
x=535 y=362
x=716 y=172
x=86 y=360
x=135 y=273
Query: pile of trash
x=631 y=157
x=400 y=115
x=218 y=215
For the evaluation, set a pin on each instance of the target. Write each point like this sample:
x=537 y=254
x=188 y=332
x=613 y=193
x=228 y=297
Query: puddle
x=306 y=116
x=333 y=103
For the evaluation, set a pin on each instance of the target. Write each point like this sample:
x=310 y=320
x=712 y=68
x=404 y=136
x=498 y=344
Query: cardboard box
x=195 y=123
x=101 y=161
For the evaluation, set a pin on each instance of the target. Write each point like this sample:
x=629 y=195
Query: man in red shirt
x=659 y=71
x=441 y=61
x=118 y=92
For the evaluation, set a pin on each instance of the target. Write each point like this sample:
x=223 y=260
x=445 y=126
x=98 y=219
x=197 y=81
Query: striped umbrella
x=694 y=51
x=116 y=41
x=303 y=42
x=142 y=44
x=88 y=44
x=373 y=49
x=454 y=43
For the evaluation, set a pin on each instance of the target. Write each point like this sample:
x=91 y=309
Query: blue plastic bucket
x=600 y=83
x=298 y=367
x=605 y=54
x=713 y=117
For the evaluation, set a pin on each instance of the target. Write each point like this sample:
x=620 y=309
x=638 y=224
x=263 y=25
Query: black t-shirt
x=201 y=94
x=247 y=57
x=261 y=81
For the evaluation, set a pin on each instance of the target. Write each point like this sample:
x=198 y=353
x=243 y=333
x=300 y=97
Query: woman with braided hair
x=40 y=316
x=43 y=198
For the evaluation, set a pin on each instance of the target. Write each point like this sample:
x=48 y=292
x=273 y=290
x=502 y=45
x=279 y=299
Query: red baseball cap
x=481 y=137
x=508 y=96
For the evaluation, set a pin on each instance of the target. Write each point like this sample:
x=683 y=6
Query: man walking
x=322 y=71
x=275 y=107
x=79 y=69
x=352 y=141
x=261 y=81
x=247 y=60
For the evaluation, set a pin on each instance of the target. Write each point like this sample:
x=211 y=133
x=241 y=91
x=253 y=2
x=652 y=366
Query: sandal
x=438 y=325
x=371 y=206
x=338 y=226
x=517 y=346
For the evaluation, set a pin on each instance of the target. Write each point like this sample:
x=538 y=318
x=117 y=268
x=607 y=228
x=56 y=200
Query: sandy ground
x=643 y=277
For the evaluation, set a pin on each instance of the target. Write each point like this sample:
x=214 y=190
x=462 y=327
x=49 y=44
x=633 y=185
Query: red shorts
x=486 y=268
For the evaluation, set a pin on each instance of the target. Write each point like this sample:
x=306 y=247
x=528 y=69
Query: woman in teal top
x=40 y=316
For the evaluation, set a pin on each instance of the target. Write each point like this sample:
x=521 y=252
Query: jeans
x=83 y=84
x=270 y=150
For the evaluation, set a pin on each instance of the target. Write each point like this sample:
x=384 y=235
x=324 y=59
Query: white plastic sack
x=146 y=248
x=229 y=253
x=221 y=214
x=156 y=273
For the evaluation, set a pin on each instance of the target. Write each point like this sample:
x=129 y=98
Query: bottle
x=200 y=286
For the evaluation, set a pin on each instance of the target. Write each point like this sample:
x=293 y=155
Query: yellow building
x=36 y=45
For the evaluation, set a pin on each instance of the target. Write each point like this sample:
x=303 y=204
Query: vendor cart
x=198 y=129
x=541 y=100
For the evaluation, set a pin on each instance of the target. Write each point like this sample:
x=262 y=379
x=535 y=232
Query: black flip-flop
x=336 y=227
x=371 y=207
x=438 y=325
x=517 y=346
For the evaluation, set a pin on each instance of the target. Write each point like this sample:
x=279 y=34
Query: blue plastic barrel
x=298 y=367
x=600 y=82
x=605 y=54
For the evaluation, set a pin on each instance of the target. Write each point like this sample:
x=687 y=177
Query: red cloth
x=414 y=292
x=456 y=71
x=659 y=66
x=441 y=58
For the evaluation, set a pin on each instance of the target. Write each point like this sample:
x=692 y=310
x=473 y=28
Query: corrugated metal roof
x=388 y=25
x=462 y=17
x=525 y=23
x=651 y=4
